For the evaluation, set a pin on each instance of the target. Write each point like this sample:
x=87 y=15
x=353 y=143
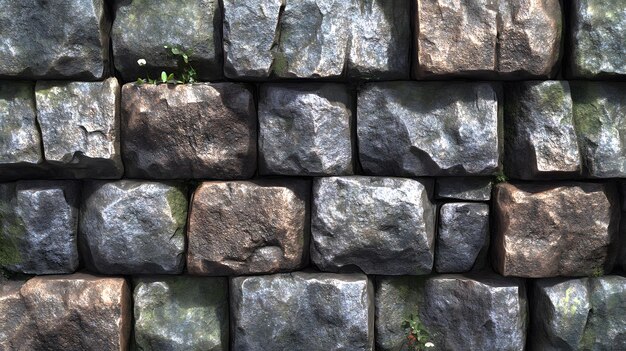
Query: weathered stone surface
x=547 y=230
x=579 y=314
x=38 y=224
x=600 y=121
x=80 y=127
x=38 y=42
x=317 y=38
x=142 y=28
x=20 y=141
x=305 y=130
x=598 y=38
x=428 y=129
x=302 y=311
x=540 y=140
x=70 y=312
x=464 y=188
x=380 y=225
x=462 y=233
x=460 y=312
x=189 y=131
x=133 y=227
x=181 y=313
x=482 y=38
x=245 y=227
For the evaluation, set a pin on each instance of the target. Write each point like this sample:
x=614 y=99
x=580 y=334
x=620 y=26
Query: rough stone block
x=40 y=42
x=80 y=127
x=69 y=312
x=133 y=227
x=302 y=311
x=508 y=39
x=428 y=129
x=317 y=39
x=600 y=121
x=305 y=130
x=579 y=314
x=462 y=234
x=597 y=39
x=142 y=28
x=189 y=131
x=181 y=313
x=540 y=140
x=460 y=312
x=547 y=230
x=245 y=227
x=20 y=141
x=464 y=188
x=380 y=225
x=38 y=225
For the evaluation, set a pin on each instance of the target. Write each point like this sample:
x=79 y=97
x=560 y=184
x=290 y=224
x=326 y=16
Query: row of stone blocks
x=551 y=129
x=260 y=39
x=312 y=311
x=377 y=225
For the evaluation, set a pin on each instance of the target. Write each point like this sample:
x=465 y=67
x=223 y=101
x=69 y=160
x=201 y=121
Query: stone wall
x=340 y=166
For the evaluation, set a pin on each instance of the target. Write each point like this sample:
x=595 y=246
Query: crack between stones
x=275 y=49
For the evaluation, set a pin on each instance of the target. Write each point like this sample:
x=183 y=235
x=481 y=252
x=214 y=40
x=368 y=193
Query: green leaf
x=171 y=76
x=175 y=51
x=140 y=81
x=185 y=58
x=163 y=77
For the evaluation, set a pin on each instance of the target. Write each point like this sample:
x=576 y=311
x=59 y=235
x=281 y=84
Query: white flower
x=141 y=62
x=429 y=344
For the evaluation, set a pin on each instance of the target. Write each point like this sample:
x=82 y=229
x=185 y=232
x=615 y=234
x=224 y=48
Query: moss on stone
x=177 y=201
x=12 y=229
x=552 y=96
x=587 y=119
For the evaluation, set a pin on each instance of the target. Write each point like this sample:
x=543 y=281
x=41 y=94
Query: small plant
x=417 y=337
x=501 y=177
x=188 y=73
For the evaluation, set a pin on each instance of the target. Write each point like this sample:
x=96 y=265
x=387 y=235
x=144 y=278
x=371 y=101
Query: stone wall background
x=340 y=166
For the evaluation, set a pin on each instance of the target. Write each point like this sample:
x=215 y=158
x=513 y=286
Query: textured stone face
x=459 y=312
x=302 y=311
x=188 y=131
x=79 y=123
x=540 y=140
x=317 y=38
x=600 y=120
x=547 y=230
x=462 y=233
x=133 y=227
x=483 y=38
x=579 y=314
x=380 y=225
x=37 y=43
x=598 y=38
x=305 y=130
x=240 y=228
x=69 y=312
x=428 y=129
x=465 y=188
x=143 y=27
x=20 y=142
x=38 y=224
x=181 y=313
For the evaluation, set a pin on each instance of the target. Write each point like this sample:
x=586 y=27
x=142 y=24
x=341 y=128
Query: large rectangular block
x=189 y=131
x=555 y=229
x=302 y=311
x=40 y=41
x=428 y=129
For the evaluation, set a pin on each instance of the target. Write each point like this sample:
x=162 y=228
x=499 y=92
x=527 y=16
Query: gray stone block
x=181 y=313
x=540 y=140
x=305 y=130
x=133 y=227
x=142 y=28
x=380 y=225
x=38 y=226
x=80 y=127
x=464 y=188
x=302 y=311
x=462 y=234
x=579 y=314
x=428 y=129
x=40 y=41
